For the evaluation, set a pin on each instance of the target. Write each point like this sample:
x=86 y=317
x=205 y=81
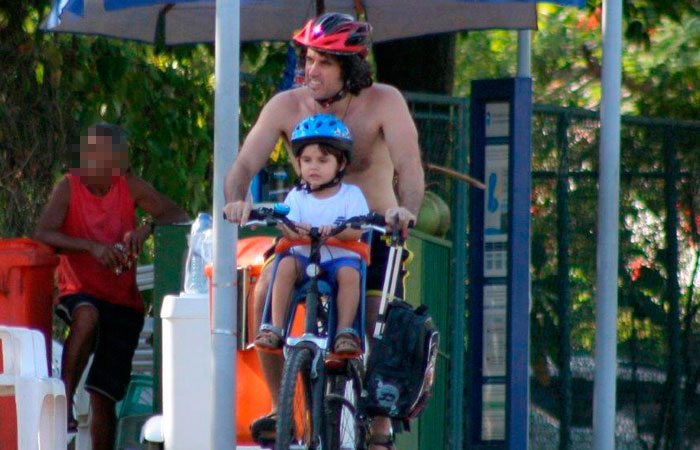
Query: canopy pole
x=223 y=313
x=608 y=221
x=524 y=54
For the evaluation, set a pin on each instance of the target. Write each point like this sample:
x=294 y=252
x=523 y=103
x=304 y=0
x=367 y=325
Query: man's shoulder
x=382 y=90
x=381 y=95
x=284 y=105
x=137 y=185
x=291 y=98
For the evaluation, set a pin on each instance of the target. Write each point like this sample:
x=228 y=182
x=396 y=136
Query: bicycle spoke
x=343 y=427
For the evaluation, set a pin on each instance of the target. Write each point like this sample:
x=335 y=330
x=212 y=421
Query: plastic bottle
x=195 y=279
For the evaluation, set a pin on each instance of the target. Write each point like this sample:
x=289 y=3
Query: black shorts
x=118 y=333
x=379 y=255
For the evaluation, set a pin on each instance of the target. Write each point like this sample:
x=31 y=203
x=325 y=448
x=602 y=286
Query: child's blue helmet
x=322 y=129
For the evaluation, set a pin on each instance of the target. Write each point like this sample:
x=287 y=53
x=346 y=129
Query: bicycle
x=320 y=395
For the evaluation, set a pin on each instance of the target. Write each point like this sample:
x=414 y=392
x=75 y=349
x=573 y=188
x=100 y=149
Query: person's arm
x=51 y=220
x=401 y=137
x=252 y=157
x=349 y=234
x=161 y=209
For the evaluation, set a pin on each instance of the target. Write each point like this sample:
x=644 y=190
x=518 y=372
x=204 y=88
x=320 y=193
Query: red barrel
x=27 y=286
x=26 y=292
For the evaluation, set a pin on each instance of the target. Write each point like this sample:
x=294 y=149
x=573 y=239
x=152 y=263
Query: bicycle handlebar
x=264 y=216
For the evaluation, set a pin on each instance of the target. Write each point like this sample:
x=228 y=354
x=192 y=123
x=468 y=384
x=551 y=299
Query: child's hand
x=303 y=229
x=325 y=230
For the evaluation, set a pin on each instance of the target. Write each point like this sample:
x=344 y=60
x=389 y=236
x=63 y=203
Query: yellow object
x=279 y=151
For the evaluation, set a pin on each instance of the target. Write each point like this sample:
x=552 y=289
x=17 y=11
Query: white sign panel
x=493 y=412
x=496 y=211
x=495 y=330
x=497 y=120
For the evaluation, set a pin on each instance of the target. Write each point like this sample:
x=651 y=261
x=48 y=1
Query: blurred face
x=100 y=160
x=317 y=166
x=323 y=75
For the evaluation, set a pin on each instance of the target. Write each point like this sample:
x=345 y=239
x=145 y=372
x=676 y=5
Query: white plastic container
x=186 y=372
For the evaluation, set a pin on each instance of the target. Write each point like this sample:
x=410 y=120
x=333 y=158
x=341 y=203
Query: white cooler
x=186 y=372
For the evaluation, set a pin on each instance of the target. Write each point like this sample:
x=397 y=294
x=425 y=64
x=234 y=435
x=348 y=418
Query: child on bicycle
x=322 y=146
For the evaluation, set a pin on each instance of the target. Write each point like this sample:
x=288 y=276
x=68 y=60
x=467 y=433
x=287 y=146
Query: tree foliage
x=54 y=86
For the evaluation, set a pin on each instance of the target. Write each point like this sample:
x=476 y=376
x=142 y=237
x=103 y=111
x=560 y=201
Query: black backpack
x=401 y=367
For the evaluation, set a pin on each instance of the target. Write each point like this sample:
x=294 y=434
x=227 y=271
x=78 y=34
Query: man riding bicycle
x=386 y=158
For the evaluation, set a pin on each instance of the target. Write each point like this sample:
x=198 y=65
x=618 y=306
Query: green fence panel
x=168 y=273
x=429 y=283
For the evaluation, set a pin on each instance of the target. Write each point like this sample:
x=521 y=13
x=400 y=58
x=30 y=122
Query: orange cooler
x=252 y=397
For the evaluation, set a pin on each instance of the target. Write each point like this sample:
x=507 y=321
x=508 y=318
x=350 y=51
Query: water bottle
x=195 y=279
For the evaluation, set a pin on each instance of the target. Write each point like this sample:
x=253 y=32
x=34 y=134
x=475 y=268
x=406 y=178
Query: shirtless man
x=338 y=82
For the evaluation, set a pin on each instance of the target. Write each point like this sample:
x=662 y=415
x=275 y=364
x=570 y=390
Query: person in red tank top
x=90 y=220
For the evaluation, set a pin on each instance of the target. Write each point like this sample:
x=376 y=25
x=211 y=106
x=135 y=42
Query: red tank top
x=103 y=219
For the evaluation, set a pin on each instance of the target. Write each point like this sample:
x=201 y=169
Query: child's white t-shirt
x=305 y=208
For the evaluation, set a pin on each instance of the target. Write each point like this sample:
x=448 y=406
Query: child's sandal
x=270 y=338
x=347 y=343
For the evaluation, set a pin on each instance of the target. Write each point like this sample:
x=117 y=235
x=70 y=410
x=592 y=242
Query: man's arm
x=401 y=137
x=255 y=152
x=51 y=220
x=160 y=207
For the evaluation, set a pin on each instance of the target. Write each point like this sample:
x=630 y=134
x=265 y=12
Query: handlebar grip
x=256 y=215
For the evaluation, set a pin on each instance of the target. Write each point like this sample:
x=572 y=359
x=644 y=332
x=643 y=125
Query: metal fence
x=658 y=330
x=442 y=124
x=657 y=320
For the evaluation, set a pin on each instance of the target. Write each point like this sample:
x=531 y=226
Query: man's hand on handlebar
x=237 y=211
x=405 y=218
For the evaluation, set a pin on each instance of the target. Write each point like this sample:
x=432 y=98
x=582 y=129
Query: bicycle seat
x=361 y=248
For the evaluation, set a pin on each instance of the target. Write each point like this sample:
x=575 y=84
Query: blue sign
x=499 y=264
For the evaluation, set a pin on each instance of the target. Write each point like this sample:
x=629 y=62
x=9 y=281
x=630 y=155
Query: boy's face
x=317 y=166
x=100 y=160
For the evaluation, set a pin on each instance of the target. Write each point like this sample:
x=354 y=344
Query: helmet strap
x=328 y=101
x=304 y=186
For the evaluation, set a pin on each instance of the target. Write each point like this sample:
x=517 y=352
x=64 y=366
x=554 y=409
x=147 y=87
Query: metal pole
x=223 y=313
x=563 y=286
x=458 y=316
x=608 y=220
x=524 y=54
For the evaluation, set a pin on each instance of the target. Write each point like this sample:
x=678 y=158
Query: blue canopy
x=191 y=21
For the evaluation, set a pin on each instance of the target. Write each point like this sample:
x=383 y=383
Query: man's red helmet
x=335 y=33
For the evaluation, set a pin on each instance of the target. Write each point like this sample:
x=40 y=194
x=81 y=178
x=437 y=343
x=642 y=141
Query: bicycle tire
x=295 y=416
x=344 y=429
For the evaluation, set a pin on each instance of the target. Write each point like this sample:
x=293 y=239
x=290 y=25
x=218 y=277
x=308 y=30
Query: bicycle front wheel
x=295 y=429
x=343 y=428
